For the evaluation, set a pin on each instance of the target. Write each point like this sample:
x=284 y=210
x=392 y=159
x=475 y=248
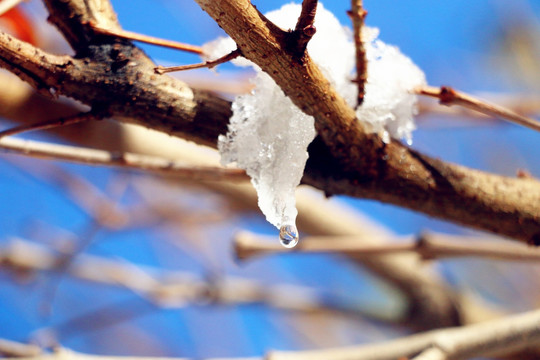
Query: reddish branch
x=358 y=15
x=448 y=96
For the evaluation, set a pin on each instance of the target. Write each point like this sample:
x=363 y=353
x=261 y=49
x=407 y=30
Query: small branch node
x=304 y=29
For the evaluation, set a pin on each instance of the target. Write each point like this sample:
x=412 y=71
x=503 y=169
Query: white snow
x=268 y=135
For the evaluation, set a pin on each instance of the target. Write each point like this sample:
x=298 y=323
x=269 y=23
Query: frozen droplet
x=288 y=236
x=409 y=140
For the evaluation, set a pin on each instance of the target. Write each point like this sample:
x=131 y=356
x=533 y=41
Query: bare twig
x=50 y=124
x=7 y=5
x=304 y=30
x=207 y=64
x=129 y=35
x=429 y=246
x=249 y=245
x=449 y=96
x=125 y=160
x=358 y=15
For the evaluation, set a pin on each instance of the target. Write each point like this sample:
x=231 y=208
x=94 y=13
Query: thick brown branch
x=123 y=84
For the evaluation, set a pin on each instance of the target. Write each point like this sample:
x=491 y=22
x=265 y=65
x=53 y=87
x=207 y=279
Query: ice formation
x=268 y=135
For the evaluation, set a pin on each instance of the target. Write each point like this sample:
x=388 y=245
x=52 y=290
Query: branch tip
x=448 y=96
x=207 y=64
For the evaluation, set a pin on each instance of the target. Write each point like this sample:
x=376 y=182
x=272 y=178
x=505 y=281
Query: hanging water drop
x=288 y=236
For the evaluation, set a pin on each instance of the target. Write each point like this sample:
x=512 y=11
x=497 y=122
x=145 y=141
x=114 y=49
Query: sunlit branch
x=304 y=29
x=428 y=246
x=129 y=35
x=124 y=160
x=207 y=64
x=449 y=96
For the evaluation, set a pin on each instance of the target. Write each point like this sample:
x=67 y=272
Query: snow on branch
x=268 y=134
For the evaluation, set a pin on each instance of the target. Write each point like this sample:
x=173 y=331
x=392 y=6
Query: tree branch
x=428 y=246
x=304 y=29
x=124 y=160
x=448 y=96
x=207 y=64
x=358 y=163
x=358 y=15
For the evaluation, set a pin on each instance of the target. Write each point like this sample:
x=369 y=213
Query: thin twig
x=429 y=246
x=304 y=29
x=50 y=124
x=358 y=15
x=129 y=35
x=7 y=5
x=249 y=245
x=125 y=160
x=448 y=96
x=207 y=64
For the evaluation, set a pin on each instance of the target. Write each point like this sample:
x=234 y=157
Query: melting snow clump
x=268 y=135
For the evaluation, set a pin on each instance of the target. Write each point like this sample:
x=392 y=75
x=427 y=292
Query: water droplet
x=288 y=236
x=409 y=140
